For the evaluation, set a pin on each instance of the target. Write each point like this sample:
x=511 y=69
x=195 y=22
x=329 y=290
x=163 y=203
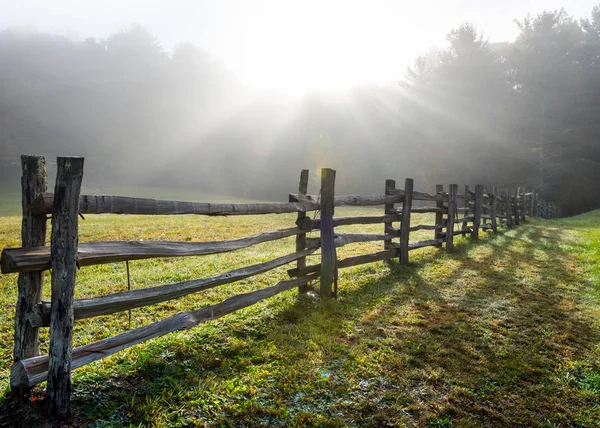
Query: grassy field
x=502 y=332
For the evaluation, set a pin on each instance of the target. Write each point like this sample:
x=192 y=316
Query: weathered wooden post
x=405 y=221
x=494 y=206
x=533 y=204
x=465 y=222
x=33 y=234
x=63 y=252
x=516 y=206
x=509 y=209
x=301 y=237
x=328 y=253
x=388 y=210
x=439 y=216
x=477 y=211
x=452 y=192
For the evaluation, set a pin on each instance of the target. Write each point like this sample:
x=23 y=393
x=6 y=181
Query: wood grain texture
x=90 y=204
x=125 y=300
x=93 y=253
x=64 y=239
x=32 y=371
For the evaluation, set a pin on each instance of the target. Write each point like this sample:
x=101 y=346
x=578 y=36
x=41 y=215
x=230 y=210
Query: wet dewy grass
x=502 y=332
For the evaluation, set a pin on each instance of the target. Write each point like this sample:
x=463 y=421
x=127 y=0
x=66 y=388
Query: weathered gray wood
x=93 y=253
x=31 y=371
x=425 y=210
x=348 y=221
x=425 y=227
x=328 y=253
x=33 y=234
x=533 y=204
x=439 y=203
x=427 y=243
x=64 y=239
x=349 y=262
x=453 y=190
x=90 y=204
x=465 y=208
x=477 y=210
x=405 y=222
x=341 y=239
x=351 y=200
x=493 y=210
x=301 y=237
x=125 y=300
x=508 y=209
x=390 y=186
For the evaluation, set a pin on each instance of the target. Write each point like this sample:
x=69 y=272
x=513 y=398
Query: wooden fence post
x=301 y=237
x=439 y=216
x=63 y=252
x=405 y=221
x=494 y=206
x=509 y=208
x=516 y=206
x=33 y=234
x=523 y=207
x=328 y=253
x=465 y=223
x=452 y=191
x=533 y=204
x=388 y=210
x=477 y=211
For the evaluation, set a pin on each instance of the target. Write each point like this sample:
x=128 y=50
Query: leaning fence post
x=388 y=210
x=301 y=237
x=63 y=255
x=33 y=234
x=405 y=221
x=494 y=205
x=328 y=253
x=439 y=215
x=452 y=191
x=477 y=210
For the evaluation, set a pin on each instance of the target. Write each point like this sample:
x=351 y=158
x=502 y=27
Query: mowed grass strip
x=502 y=332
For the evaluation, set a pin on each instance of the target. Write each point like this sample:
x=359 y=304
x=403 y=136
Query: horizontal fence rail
x=464 y=213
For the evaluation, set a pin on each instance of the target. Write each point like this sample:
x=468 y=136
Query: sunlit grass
x=502 y=332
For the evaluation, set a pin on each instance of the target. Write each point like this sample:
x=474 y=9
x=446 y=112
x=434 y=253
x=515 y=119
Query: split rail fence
x=466 y=213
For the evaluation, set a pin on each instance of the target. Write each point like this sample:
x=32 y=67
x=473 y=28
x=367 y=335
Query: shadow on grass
x=476 y=337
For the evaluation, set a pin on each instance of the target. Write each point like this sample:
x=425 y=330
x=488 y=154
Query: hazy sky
x=291 y=46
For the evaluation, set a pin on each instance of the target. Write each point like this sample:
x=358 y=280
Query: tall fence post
x=405 y=221
x=465 y=222
x=477 y=211
x=523 y=206
x=328 y=253
x=452 y=192
x=33 y=234
x=439 y=216
x=63 y=253
x=516 y=206
x=388 y=210
x=301 y=237
x=494 y=207
x=509 y=208
x=533 y=204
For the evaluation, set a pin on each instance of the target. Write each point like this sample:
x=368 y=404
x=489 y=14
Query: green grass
x=502 y=332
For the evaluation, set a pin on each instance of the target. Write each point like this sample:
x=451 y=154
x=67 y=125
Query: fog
x=147 y=112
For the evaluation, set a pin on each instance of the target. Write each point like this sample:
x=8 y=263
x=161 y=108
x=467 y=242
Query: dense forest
x=472 y=111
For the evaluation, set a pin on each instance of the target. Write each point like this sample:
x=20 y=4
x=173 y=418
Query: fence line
x=481 y=210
